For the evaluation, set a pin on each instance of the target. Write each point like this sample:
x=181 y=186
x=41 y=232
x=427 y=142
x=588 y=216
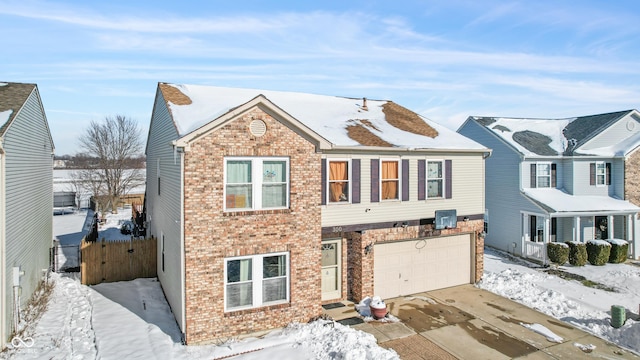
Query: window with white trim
x=435 y=179
x=338 y=181
x=543 y=174
x=256 y=183
x=255 y=281
x=389 y=179
x=601 y=173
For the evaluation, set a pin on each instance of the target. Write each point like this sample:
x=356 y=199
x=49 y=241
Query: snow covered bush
x=558 y=252
x=619 y=251
x=598 y=252
x=577 y=253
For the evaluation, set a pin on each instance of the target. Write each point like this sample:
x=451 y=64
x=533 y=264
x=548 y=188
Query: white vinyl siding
x=467 y=185
x=164 y=211
x=28 y=197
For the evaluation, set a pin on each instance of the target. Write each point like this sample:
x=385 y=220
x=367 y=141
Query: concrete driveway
x=465 y=322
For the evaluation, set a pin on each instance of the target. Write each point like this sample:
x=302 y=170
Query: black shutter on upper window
x=375 y=179
x=533 y=176
x=608 y=165
x=553 y=176
x=422 y=176
x=323 y=170
x=405 y=180
x=592 y=174
x=355 y=176
x=448 y=180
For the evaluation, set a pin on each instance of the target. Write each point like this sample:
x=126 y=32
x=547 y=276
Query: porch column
x=547 y=230
x=576 y=228
x=610 y=228
x=631 y=234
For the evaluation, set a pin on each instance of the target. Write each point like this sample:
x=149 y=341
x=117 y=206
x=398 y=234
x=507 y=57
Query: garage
x=413 y=266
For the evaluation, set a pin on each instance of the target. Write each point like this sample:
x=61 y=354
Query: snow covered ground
x=584 y=307
x=131 y=320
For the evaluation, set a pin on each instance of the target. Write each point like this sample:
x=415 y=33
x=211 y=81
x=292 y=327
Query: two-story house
x=268 y=204
x=26 y=199
x=559 y=180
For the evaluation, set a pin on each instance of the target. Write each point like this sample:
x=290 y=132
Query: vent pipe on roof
x=364 y=104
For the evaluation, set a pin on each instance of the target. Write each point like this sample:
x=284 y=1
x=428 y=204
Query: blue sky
x=446 y=60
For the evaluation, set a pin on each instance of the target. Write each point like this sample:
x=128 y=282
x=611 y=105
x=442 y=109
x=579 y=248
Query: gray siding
x=567 y=173
x=612 y=135
x=164 y=211
x=467 y=192
x=28 y=199
x=581 y=179
x=502 y=190
x=617 y=179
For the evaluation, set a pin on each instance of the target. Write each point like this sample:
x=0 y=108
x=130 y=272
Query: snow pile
x=131 y=319
x=544 y=331
x=570 y=301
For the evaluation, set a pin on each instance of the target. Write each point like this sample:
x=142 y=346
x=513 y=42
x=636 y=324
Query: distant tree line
x=85 y=161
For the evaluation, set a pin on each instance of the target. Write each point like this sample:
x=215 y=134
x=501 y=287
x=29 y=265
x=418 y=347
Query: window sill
x=255 y=212
x=240 y=312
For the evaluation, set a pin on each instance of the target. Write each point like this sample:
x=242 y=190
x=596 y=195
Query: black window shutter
x=447 y=180
x=422 y=175
x=405 y=180
x=533 y=176
x=375 y=179
x=323 y=167
x=592 y=174
x=355 y=182
x=608 y=165
x=553 y=176
x=532 y=228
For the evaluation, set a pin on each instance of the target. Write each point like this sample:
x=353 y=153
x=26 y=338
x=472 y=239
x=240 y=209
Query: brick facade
x=632 y=178
x=211 y=235
x=359 y=278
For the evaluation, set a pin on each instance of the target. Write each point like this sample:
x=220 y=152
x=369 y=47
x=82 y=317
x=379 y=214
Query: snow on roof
x=560 y=201
x=551 y=128
x=328 y=116
x=5 y=115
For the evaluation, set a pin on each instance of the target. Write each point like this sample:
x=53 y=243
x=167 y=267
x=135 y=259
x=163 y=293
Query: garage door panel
x=408 y=267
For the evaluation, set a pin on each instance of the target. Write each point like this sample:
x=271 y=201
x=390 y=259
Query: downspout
x=182 y=251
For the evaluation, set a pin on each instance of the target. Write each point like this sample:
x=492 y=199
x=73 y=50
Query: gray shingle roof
x=12 y=97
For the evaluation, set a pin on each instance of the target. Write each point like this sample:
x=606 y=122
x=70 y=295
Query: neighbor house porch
x=564 y=217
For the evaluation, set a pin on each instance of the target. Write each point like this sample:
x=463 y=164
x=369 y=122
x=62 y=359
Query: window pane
x=238 y=171
x=338 y=181
x=273 y=266
x=274 y=171
x=434 y=170
x=434 y=188
x=274 y=289
x=544 y=181
x=239 y=295
x=389 y=170
x=544 y=169
x=274 y=195
x=238 y=270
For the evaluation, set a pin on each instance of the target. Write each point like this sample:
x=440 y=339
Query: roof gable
x=342 y=122
x=555 y=137
x=12 y=98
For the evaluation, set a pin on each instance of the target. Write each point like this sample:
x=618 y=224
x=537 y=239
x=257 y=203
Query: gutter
x=3 y=234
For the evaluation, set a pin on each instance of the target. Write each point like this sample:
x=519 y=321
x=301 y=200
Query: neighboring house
x=26 y=198
x=268 y=204
x=560 y=180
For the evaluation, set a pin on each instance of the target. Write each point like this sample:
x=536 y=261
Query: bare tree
x=112 y=142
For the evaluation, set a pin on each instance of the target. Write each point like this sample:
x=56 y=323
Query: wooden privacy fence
x=109 y=261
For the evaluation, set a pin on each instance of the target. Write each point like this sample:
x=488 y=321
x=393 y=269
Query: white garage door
x=409 y=267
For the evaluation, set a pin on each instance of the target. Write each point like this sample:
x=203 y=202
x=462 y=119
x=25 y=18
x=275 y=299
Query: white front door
x=331 y=269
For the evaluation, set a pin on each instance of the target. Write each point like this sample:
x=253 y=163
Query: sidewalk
x=465 y=322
